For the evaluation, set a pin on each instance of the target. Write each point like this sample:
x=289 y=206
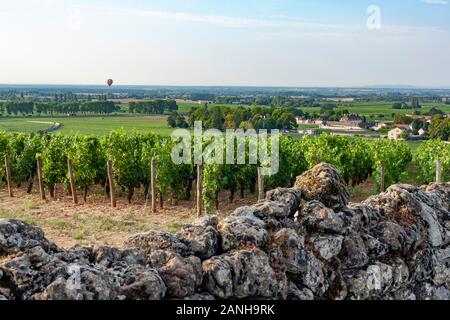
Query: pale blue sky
x=225 y=42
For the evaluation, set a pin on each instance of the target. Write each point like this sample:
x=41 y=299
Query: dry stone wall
x=303 y=243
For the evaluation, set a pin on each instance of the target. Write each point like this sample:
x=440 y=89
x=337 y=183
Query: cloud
x=274 y=24
x=441 y=2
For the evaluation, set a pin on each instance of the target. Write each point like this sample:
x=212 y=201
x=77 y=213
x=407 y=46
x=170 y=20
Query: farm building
x=351 y=118
x=423 y=132
x=396 y=134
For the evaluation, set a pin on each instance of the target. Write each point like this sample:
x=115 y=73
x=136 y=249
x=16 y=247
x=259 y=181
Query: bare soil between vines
x=95 y=222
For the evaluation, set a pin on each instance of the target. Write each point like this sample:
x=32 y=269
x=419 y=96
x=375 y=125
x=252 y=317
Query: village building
x=379 y=126
x=351 y=118
x=423 y=132
x=396 y=134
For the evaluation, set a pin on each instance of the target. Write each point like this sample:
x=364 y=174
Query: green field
x=374 y=109
x=89 y=125
x=22 y=125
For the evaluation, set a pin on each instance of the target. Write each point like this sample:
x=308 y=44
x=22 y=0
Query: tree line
x=152 y=107
x=54 y=108
x=224 y=117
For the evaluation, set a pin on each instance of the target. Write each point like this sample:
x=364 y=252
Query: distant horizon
x=381 y=86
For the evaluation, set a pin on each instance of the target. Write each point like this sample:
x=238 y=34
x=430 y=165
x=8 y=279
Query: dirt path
x=55 y=125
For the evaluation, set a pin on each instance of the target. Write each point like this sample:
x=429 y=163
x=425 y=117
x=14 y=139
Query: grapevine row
x=131 y=154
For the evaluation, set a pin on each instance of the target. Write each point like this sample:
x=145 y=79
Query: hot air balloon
x=110 y=82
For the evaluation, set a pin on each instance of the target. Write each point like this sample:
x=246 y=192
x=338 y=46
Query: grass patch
x=59 y=224
x=18 y=215
x=29 y=204
x=174 y=227
x=79 y=234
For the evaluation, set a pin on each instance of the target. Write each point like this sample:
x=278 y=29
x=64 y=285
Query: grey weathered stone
x=243 y=231
x=16 y=236
x=328 y=246
x=295 y=293
x=356 y=284
x=217 y=277
x=311 y=273
x=200 y=297
x=316 y=217
x=182 y=275
x=253 y=275
x=271 y=209
x=354 y=252
x=201 y=237
x=157 y=240
x=290 y=244
x=324 y=183
x=379 y=279
x=290 y=198
x=391 y=234
x=75 y=275
x=375 y=247
x=242 y=274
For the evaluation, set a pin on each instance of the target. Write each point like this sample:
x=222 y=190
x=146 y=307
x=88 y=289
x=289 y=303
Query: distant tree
x=402 y=119
x=172 y=120
x=415 y=104
x=287 y=121
x=181 y=122
x=397 y=105
x=440 y=129
x=418 y=124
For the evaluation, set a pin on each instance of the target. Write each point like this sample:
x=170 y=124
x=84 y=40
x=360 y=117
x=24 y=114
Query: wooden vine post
x=153 y=185
x=438 y=172
x=73 y=186
x=382 y=180
x=40 y=177
x=199 y=189
x=8 y=175
x=112 y=192
x=261 y=193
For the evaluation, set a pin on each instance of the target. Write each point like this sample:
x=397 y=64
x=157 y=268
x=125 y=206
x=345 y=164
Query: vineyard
x=131 y=156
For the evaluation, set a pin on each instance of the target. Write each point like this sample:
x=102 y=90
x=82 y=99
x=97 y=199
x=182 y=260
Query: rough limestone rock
x=242 y=231
x=16 y=236
x=290 y=244
x=328 y=247
x=354 y=252
x=295 y=293
x=217 y=277
x=271 y=209
x=290 y=198
x=409 y=205
x=200 y=297
x=201 y=237
x=74 y=275
x=182 y=275
x=324 y=183
x=243 y=274
x=304 y=243
x=253 y=276
x=315 y=216
x=157 y=240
